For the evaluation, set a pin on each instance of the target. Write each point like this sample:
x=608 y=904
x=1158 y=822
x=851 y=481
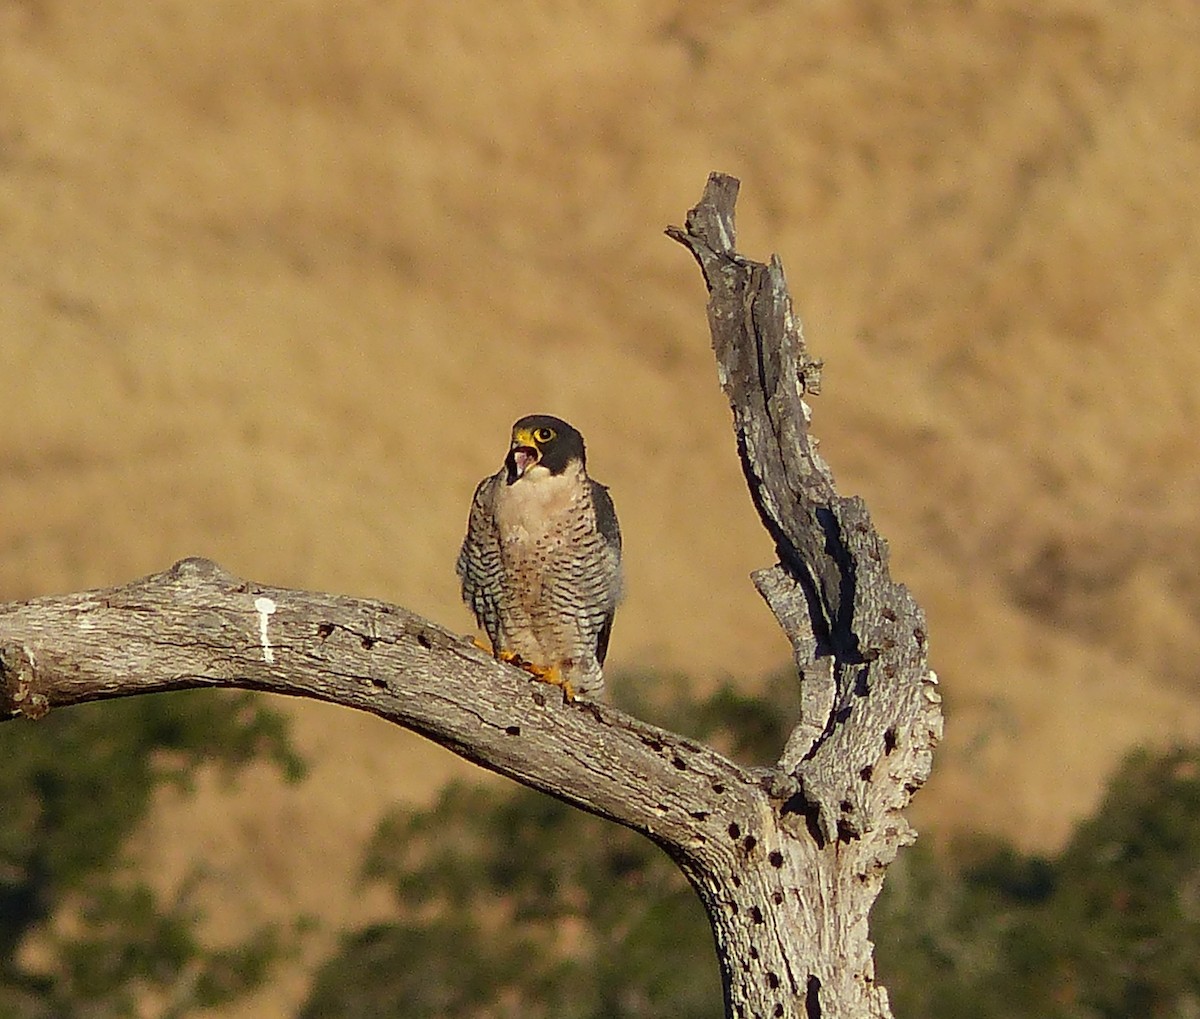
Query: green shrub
x=1108 y=928
x=74 y=787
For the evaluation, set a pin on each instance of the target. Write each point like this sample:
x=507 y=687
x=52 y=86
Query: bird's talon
x=554 y=677
x=542 y=673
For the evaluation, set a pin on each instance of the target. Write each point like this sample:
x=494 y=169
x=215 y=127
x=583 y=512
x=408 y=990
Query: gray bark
x=788 y=860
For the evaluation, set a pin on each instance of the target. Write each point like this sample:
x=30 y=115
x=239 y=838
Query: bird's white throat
x=537 y=497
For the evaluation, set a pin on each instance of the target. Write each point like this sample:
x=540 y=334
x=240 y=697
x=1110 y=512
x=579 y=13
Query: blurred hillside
x=275 y=281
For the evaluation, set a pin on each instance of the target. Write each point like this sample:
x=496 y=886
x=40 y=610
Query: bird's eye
x=544 y=434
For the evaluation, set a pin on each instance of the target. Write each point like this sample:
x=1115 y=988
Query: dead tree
x=787 y=860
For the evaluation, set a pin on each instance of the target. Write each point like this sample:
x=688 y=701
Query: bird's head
x=543 y=445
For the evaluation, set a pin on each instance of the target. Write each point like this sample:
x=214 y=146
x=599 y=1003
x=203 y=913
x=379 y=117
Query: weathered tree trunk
x=793 y=930
x=788 y=860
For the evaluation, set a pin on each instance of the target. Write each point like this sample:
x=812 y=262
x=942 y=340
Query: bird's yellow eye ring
x=544 y=434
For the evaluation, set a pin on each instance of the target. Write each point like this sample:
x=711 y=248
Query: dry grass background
x=276 y=279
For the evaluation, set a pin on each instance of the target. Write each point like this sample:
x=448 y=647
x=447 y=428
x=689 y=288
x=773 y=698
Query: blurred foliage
x=513 y=904
x=81 y=934
x=1109 y=927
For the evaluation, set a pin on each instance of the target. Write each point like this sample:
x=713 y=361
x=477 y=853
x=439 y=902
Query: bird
x=540 y=565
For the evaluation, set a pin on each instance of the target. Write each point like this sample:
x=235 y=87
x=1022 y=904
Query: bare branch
x=196 y=625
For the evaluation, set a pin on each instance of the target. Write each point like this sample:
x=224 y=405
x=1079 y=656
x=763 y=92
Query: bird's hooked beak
x=523 y=453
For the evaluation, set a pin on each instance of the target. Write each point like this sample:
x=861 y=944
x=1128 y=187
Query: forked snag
x=789 y=860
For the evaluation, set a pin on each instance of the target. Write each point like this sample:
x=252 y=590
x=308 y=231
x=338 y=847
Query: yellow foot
x=542 y=673
x=551 y=675
x=509 y=657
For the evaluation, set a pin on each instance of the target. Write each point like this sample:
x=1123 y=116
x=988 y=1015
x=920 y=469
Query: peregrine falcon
x=541 y=563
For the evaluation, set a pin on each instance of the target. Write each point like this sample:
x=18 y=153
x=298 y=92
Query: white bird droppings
x=265 y=607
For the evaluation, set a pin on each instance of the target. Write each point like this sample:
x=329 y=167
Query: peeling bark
x=787 y=860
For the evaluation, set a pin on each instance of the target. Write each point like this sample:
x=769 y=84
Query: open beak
x=524 y=457
x=523 y=453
